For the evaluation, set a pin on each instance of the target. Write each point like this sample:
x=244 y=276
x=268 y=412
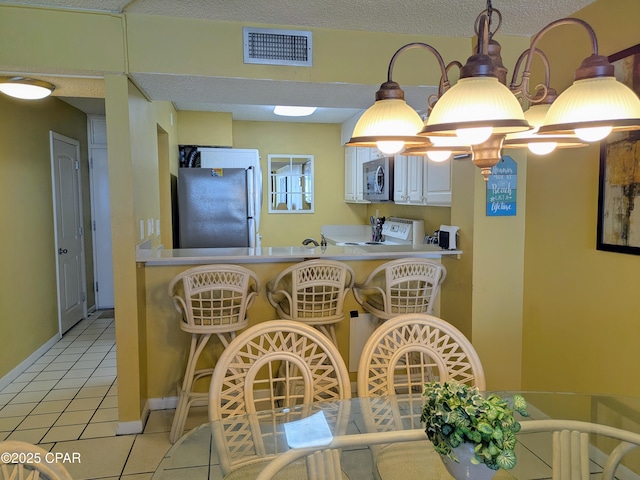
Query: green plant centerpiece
x=454 y=413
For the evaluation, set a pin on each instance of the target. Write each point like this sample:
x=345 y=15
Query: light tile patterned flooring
x=67 y=402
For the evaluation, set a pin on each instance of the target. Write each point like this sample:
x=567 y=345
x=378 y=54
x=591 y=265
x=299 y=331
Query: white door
x=67 y=206
x=100 y=212
x=103 y=255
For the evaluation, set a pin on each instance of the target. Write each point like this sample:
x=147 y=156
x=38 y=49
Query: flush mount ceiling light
x=480 y=110
x=288 y=111
x=25 y=88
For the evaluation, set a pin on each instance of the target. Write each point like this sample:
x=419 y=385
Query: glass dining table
x=240 y=447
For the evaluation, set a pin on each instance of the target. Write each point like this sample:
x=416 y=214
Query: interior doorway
x=69 y=245
x=100 y=212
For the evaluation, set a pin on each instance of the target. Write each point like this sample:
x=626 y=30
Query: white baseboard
x=27 y=362
x=164 y=403
x=136 y=426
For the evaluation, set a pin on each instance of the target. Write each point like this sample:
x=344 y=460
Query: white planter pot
x=464 y=469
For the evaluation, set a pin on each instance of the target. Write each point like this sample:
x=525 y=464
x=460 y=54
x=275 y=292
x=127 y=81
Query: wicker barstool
x=213 y=299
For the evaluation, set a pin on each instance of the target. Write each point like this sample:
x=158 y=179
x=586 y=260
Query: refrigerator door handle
x=252 y=232
x=251 y=221
x=258 y=189
x=250 y=194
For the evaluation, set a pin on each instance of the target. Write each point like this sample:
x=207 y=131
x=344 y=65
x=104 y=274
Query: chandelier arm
x=563 y=21
x=444 y=79
x=441 y=86
x=433 y=98
x=523 y=86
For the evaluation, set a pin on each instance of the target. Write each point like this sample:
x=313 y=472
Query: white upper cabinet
x=408 y=180
x=354 y=157
x=437 y=183
x=416 y=179
x=420 y=181
x=349 y=174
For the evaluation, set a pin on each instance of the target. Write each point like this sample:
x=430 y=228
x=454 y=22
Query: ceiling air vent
x=277 y=47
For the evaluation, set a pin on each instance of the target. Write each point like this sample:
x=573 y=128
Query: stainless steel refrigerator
x=219 y=207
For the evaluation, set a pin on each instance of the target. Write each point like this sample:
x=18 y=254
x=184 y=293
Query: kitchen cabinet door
x=414 y=179
x=400 y=179
x=354 y=157
x=408 y=179
x=437 y=182
x=349 y=174
x=363 y=155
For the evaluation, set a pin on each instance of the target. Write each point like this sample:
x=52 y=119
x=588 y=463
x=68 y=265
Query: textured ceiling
x=432 y=17
x=336 y=102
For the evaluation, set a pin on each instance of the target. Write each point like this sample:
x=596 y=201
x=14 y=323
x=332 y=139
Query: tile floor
x=67 y=402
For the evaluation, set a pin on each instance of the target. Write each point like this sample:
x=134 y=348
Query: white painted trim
x=136 y=426
x=53 y=136
x=27 y=362
x=164 y=403
x=130 y=428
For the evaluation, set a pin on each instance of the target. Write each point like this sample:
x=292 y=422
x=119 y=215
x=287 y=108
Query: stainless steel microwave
x=378 y=180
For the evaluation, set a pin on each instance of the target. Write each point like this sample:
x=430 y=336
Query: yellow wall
x=28 y=310
x=209 y=129
x=60 y=41
x=581 y=305
x=134 y=173
x=323 y=142
x=193 y=48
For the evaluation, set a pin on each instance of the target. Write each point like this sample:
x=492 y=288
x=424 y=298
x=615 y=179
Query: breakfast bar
x=167 y=346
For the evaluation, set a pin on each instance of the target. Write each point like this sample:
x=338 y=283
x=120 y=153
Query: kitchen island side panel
x=168 y=346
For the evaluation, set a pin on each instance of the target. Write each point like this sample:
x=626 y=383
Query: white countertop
x=194 y=256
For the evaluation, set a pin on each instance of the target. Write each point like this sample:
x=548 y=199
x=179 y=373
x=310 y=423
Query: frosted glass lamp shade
x=439 y=149
x=388 y=123
x=25 y=88
x=540 y=144
x=593 y=103
x=476 y=102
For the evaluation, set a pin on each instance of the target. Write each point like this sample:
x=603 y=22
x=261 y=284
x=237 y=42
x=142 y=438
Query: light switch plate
x=141 y=229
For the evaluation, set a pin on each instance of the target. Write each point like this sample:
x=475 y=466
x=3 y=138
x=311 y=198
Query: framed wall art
x=619 y=185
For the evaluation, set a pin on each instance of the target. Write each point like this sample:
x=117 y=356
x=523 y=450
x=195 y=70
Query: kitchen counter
x=195 y=256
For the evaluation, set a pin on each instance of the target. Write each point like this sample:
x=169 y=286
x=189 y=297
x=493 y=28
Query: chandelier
x=482 y=115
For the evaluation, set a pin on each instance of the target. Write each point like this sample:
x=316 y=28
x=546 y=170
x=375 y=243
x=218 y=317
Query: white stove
x=395 y=231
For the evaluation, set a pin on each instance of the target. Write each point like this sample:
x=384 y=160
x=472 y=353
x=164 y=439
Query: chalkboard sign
x=501 y=188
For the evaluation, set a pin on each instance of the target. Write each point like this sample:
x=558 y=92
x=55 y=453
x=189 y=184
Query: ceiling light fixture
x=480 y=110
x=541 y=144
x=536 y=114
x=25 y=88
x=289 y=111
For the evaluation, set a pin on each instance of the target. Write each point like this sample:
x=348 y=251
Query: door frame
x=100 y=276
x=83 y=267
